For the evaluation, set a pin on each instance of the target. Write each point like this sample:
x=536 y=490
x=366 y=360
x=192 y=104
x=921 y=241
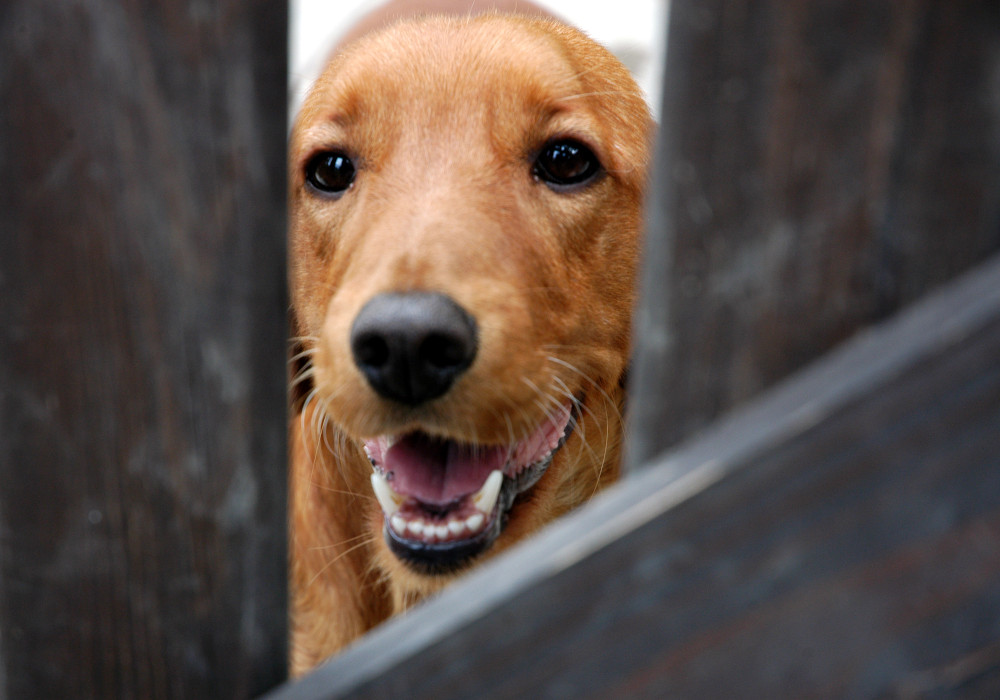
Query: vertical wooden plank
x=821 y=165
x=142 y=323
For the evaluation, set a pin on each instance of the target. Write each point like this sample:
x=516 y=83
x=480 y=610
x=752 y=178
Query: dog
x=465 y=199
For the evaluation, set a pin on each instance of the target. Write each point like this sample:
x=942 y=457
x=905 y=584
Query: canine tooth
x=457 y=527
x=441 y=531
x=387 y=498
x=416 y=526
x=387 y=441
x=475 y=521
x=398 y=523
x=487 y=496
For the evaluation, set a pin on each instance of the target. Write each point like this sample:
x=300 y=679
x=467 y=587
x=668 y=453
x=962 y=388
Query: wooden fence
x=142 y=346
x=814 y=503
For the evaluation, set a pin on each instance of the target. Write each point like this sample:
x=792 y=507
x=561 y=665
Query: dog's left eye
x=330 y=172
x=566 y=162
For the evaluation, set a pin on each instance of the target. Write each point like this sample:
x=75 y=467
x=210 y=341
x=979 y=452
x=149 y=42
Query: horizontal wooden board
x=839 y=537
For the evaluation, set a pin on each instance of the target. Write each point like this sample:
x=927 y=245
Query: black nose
x=412 y=346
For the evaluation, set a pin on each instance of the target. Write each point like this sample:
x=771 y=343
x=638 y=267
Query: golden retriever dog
x=465 y=221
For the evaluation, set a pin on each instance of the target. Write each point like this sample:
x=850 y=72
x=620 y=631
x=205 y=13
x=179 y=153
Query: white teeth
x=487 y=496
x=387 y=498
x=484 y=500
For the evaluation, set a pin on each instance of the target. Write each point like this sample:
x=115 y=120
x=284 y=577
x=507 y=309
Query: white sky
x=631 y=29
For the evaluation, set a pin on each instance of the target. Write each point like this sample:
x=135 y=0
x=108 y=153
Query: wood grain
x=142 y=306
x=820 y=166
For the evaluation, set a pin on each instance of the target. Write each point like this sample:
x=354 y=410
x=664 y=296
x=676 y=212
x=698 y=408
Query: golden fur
x=444 y=116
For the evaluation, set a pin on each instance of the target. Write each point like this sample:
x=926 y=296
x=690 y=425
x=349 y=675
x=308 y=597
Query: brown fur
x=444 y=116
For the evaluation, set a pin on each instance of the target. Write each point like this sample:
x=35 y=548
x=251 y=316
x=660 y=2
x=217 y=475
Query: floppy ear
x=300 y=382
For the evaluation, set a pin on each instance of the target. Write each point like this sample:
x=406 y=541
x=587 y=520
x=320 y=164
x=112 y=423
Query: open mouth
x=446 y=501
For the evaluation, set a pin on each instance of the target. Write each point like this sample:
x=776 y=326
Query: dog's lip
x=439 y=471
x=431 y=528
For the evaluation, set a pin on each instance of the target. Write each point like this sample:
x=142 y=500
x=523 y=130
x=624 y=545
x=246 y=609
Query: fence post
x=142 y=326
x=821 y=165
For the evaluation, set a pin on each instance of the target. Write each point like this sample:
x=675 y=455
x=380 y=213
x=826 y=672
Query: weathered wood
x=821 y=165
x=142 y=340
x=838 y=537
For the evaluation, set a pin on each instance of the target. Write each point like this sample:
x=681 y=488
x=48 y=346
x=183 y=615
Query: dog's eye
x=566 y=162
x=330 y=172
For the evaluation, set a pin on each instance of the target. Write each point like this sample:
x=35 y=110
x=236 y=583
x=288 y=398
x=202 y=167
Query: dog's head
x=465 y=220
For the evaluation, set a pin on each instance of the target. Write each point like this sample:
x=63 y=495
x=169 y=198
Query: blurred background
x=632 y=30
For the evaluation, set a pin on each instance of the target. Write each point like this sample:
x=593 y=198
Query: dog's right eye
x=330 y=172
x=566 y=163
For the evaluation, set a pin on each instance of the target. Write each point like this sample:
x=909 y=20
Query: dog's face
x=465 y=220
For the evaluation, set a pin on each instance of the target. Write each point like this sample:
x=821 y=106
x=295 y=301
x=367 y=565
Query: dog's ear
x=300 y=381
x=623 y=380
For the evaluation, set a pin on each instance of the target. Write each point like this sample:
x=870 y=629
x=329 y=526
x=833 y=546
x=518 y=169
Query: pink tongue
x=436 y=471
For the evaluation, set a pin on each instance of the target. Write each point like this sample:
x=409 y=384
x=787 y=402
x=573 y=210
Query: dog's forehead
x=457 y=64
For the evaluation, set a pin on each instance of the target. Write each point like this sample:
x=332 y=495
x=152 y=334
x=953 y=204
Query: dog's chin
x=445 y=503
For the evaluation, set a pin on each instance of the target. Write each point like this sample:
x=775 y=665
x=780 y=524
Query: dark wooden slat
x=142 y=341
x=838 y=537
x=821 y=165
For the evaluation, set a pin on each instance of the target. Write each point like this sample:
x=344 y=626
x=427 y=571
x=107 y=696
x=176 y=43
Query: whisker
x=331 y=489
x=304 y=375
x=539 y=394
x=583 y=375
x=363 y=535
x=305 y=353
x=305 y=409
x=368 y=540
x=612 y=411
x=599 y=93
x=510 y=430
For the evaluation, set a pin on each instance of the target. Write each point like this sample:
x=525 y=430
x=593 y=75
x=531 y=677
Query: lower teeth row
x=418 y=528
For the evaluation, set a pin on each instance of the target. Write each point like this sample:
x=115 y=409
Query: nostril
x=371 y=350
x=444 y=351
